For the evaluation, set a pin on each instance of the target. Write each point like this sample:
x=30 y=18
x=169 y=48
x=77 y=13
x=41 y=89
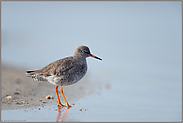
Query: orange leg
x=56 y=90
x=66 y=103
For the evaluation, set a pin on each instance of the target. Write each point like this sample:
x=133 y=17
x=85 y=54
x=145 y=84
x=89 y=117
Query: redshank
x=65 y=71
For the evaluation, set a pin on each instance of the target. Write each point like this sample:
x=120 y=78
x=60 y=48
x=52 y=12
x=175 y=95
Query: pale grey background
x=140 y=44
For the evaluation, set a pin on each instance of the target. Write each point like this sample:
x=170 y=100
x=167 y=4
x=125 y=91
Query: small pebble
x=81 y=109
x=9 y=97
x=49 y=97
x=17 y=93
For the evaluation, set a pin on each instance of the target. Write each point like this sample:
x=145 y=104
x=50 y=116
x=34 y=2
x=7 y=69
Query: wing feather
x=58 y=68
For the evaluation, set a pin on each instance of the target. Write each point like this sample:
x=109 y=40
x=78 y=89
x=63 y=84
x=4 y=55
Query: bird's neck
x=80 y=58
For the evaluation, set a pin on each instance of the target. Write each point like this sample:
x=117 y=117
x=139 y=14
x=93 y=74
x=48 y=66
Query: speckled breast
x=74 y=74
x=71 y=76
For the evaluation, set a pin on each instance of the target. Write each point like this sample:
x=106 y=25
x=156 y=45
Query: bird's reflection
x=62 y=114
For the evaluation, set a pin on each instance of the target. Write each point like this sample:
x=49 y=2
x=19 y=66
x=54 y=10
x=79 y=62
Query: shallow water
x=139 y=42
x=121 y=102
x=98 y=111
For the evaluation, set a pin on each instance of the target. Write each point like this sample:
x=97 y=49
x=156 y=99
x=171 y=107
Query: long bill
x=94 y=56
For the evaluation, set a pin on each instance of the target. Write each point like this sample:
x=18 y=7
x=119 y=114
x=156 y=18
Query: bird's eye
x=85 y=51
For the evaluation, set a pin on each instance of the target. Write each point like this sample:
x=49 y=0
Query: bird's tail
x=35 y=75
x=30 y=73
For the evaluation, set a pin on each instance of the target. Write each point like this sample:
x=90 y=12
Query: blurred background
x=140 y=44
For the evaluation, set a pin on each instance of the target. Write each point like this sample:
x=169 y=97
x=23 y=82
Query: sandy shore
x=28 y=93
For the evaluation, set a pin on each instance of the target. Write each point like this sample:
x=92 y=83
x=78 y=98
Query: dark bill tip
x=94 y=56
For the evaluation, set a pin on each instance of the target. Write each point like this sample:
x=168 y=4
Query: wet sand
x=28 y=93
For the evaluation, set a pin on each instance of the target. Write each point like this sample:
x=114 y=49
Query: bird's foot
x=68 y=106
x=60 y=105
